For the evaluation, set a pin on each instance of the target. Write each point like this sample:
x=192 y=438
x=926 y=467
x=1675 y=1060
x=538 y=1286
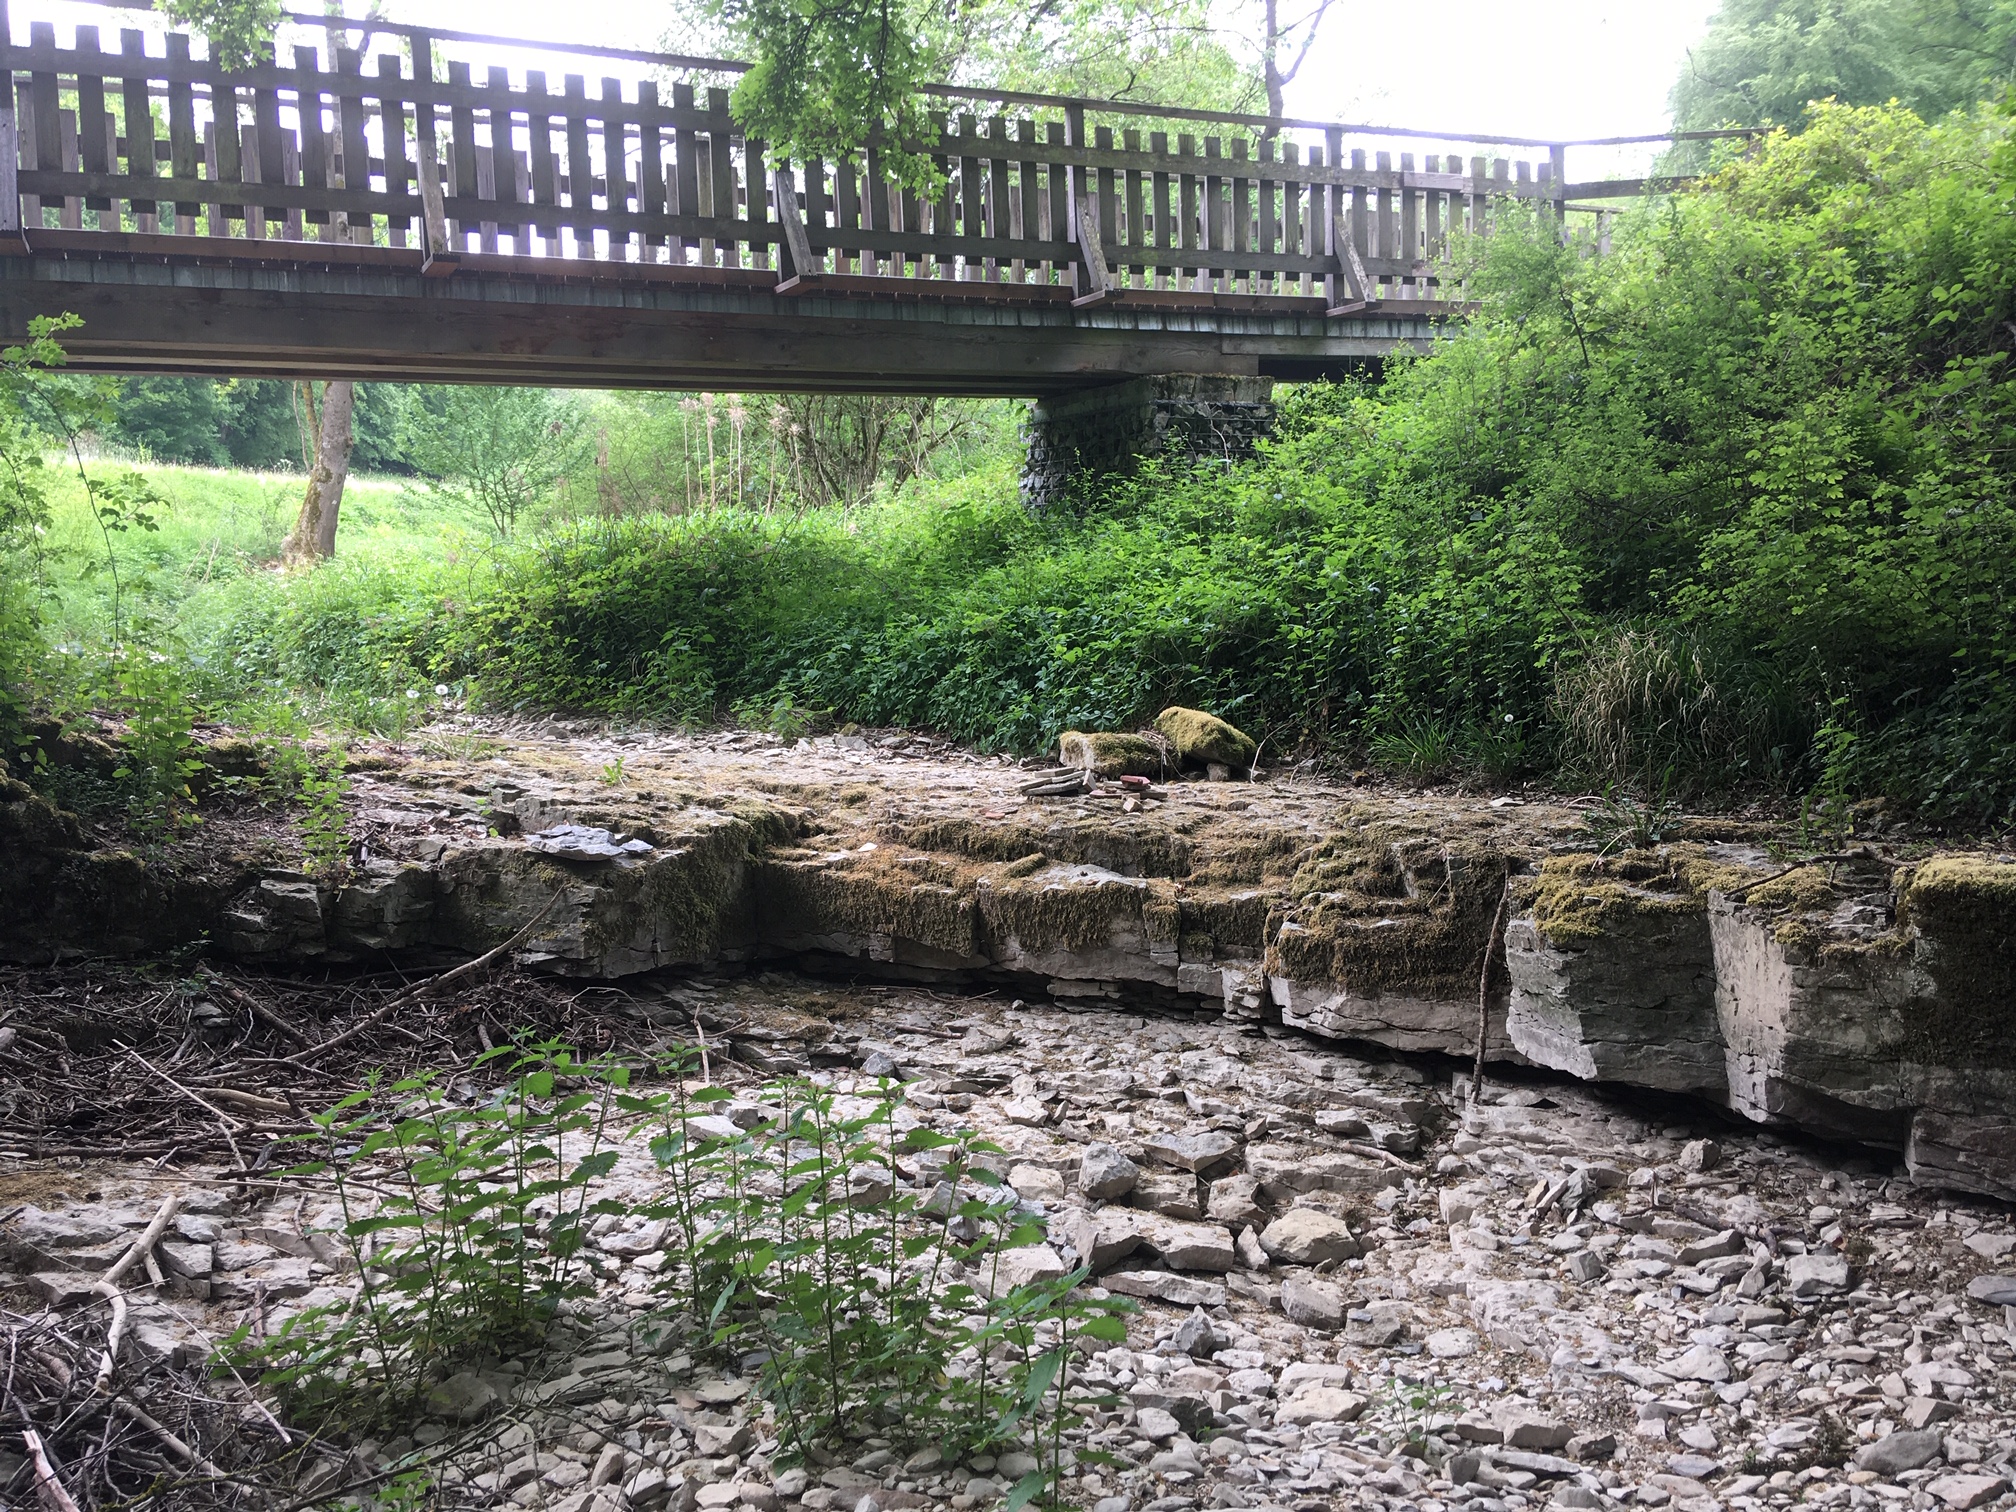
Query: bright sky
x=1549 y=69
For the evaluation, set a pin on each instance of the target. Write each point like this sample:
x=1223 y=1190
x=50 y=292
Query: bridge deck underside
x=371 y=313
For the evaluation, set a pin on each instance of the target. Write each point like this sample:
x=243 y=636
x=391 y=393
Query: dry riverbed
x=1355 y=1289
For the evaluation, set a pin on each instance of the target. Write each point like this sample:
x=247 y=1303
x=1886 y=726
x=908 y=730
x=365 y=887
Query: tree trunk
x=314 y=533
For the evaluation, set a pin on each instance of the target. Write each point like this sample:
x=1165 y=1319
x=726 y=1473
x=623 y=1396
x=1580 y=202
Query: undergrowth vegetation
x=1726 y=511
x=862 y=1262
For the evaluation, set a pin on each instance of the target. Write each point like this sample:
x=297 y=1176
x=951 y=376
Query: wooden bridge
x=358 y=209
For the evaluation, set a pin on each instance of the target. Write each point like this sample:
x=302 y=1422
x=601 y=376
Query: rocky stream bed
x=1725 y=1225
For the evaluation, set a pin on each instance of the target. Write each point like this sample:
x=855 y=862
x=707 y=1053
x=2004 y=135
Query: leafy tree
x=173 y=419
x=239 y=31
x=261 y=423
x=1763 y=61
x=495 y=452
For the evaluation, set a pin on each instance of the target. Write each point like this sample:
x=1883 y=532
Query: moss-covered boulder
x=1204 y=739
x=1107 y=754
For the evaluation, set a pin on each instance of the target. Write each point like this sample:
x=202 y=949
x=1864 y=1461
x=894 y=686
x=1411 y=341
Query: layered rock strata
x=1859 y=998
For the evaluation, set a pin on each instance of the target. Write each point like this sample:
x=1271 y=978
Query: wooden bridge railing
x=1046 y=204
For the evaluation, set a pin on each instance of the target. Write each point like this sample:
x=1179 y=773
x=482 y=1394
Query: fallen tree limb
x=46 y=1483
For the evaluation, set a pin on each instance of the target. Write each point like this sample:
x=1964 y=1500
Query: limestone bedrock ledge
x=1861 y=1000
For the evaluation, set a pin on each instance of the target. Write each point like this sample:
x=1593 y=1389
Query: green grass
x=216 y=528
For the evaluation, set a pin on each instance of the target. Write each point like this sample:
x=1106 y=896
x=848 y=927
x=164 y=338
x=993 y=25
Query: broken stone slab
x=1965 y=1492
x=1175 y=1195
x=1165 y=1286
x=1105 y=1172
x=1313 y=1304
x=1901 y=1451
x=1996 y=1291
x=581 y=842
x=1320 y=1404
x=1286 y=1171
x=1379 y=1325
x=1614 y=979
x=1199 y=1151
x=1304 y=1236
x=1401 y=1021
x=1522 y=1425
x=1818 y=1274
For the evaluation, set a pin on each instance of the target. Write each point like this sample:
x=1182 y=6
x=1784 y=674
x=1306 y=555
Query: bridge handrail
x=459 y=169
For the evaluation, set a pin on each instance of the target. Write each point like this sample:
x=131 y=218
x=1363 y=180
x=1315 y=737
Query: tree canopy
x=1763 y=61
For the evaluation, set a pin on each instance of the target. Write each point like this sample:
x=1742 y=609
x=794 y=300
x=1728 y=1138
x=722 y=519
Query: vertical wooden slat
x=72 y=218
x=998 y=213
x=580 y=165
x=1242 y=216
x=1292 y=195
x=757 y=190
x=1077 y=187
x=1135 y=212
x=721 y=142
x=1410 y=224
x=968 y=198
x=1108 y=193
x=426 y=123
x=351 y=167
x=91 y=115
x=1161 y=224
x=650 y=165
x=138 y=116
x=847 y=212
x=1026 y=217
x=265 y=148
x=1215 y=232
x=44 y=105
x=504 y=171
x=1361 y=217
x=253 y=164
x=1266 y=215
x=882 y=209
x=615 y=171
x=314 y=139
x=945 y=209
x=539 y=148
x=1189 y=222
x=24 y=125
x=1385 y=239
x=819 y=209
x=11 y=238
x=461 y=181
x=684 y=190
x=290 y=174
x=392 y=128
x=1059 y=184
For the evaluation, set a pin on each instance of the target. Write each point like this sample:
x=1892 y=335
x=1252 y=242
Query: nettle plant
x=464 y=1220
x=858 y=1259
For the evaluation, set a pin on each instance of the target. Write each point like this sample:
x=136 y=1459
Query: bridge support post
x=1074 y=441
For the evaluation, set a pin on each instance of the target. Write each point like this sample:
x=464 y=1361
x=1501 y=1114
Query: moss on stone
x=871 y=893
x=1580 y=898
x=1354 y=920
x=1108 y=754
x=1055 y=915
x=1201 y=739
x=1964 y=912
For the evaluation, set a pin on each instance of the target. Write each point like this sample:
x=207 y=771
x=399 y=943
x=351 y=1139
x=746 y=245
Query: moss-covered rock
x=1203 y=739
x=1108 y=754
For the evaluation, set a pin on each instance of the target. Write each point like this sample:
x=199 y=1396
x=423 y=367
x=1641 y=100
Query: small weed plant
x=463 y=1223
x=158 y=754
x=868 y=1265
x=325 y=822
